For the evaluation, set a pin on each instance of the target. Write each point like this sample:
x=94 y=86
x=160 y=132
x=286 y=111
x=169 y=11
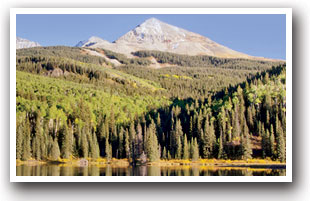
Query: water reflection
x=108 y=170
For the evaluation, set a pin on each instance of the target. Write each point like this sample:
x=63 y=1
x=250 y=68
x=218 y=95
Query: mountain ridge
x=25 y=43
x=154 y=34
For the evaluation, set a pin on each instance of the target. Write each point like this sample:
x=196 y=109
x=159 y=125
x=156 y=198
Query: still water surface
x=57 y=170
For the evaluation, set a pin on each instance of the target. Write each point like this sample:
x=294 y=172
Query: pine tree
x=220 y=147
x=164 y=153
x=94 y=147
x=191 y=127
x=36 y=147
x=271 y=142
x=55 y=152
x=44 y=141
x=179 y=148
x=138 y=142
x=153 y=149
x=159 y=127
x=194 y=150
x=250 y=120
x=19 y=139
x=112 y=121
x=108 y=149
x=223 y=122
x=132 y=137
x=185 y=149
x=37 y=139
x=209 y=139
x=236 y=124
x=121 y=143
x=178 y=129
x=26 y=142
x=267 y=141
x=67 y=142
x=198 y=125
x=127 y=145
x=169 y=155
x=84 y=144
x=281 y=152
x=264 y=141
x=229 y=131
x=267 y=118
x=281 y=146
x=102 y=129
x=246 y=147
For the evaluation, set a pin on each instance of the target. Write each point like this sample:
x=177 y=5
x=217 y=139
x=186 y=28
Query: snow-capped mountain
x=91 y=41
x=24 y=43
x=154 y=34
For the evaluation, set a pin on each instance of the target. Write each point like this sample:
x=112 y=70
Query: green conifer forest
x=70 y=104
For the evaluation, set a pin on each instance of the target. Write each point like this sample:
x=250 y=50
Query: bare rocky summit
x=24 y=43
x=154 y=34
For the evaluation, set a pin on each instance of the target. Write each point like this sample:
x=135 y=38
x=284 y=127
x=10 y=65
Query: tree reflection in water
x=108 y=170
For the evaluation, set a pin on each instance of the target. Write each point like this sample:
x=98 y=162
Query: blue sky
x=257 y=35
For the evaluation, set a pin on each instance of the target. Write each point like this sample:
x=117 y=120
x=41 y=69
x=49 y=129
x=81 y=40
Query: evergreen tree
x=246 y=147
x=236 y=124
x=164 y=153
x=264 y=141
x=267 y=141
x=26 y=142
x=138 y=142
x=67 y=142
x=169 y=155
x=132 y=137
x=37 y=139
x=84 y=144
x=19 y=139
x=185 y=149
x=159 y=127
x=272 y=141
x=220 y=147
x=108 y=149
x=153 y=153
x=281 y=153
x=178 y=128
x=191 y=127
x=127 y=145
x=179 y=148
x=194 y=150
x=209 y=139
x=121 y=143
x=55 y=152
x=94 y=147
x=250 y=120
x=44 y=141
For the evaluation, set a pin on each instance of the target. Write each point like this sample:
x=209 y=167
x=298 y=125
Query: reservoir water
x=109 y=170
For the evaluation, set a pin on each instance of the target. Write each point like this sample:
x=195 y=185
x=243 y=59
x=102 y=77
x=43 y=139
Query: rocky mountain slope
x=24 y=43
x=154 y=34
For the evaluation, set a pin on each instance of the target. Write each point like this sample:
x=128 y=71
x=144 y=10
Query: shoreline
x=257 y=163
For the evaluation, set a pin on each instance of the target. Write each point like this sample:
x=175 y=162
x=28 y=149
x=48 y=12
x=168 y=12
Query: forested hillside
x=74 y=105
x=207 y=61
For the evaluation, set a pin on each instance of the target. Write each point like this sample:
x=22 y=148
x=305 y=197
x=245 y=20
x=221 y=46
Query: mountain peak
x=24 y=43
x=152 y=21
x=154 y=34
x=95 y=38
x=89 y=42
x=149 y=26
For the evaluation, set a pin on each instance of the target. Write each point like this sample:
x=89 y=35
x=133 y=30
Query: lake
x=109 y=170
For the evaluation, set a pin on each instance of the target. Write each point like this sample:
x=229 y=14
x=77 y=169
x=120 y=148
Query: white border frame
x=286 y=11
